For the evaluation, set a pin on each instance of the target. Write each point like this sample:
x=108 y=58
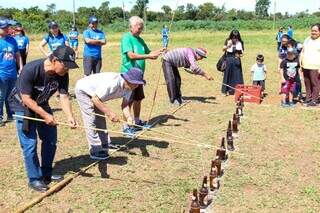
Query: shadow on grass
x=139 y=143
x=74 y=164
x=162 y=119
x=201 y=99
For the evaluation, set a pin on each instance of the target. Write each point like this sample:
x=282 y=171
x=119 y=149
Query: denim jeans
x=165 y=41
x=28 y=143
x=6 y=85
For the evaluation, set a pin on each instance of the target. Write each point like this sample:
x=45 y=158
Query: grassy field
x=275 y=167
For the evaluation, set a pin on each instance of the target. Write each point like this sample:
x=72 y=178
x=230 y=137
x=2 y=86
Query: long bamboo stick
x=116 y=132
x=67 y=180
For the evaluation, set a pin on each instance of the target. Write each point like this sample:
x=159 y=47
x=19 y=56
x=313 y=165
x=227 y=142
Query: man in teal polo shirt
x=134 y=51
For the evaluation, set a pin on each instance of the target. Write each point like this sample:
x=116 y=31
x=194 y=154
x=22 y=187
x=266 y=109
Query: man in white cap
x=181 y=57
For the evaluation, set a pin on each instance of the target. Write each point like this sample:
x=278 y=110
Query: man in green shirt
x=134 y=51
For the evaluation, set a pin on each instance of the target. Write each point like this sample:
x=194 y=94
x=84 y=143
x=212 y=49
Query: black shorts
x=137 y=94
x=260 y=83
x=91 y=65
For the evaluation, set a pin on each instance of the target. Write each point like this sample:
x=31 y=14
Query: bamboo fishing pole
x=116 y=132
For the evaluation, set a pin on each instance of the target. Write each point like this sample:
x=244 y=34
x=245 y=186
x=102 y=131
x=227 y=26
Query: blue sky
x=291 y=6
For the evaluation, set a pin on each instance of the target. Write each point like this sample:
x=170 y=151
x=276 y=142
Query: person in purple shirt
x=181 y=57
x=9 y=58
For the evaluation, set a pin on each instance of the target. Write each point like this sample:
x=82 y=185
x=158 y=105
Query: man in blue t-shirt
x=9 y=58
x=93 y=40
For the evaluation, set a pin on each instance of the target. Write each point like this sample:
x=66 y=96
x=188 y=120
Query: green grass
x=275 y=167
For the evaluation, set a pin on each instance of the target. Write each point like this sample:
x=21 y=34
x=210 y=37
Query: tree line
x=36 y=19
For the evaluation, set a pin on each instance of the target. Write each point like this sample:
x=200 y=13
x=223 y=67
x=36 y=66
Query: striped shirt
x=183 y=57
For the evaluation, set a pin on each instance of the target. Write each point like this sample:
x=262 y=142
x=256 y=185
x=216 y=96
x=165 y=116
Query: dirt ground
x=275 y=167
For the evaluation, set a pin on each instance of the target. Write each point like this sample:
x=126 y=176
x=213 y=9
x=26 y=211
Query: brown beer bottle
x=203 y=193
x=235 y=124
x=213 y=179
x=217 y=163
x=230 y=138
x=221 y=152
x=195 y=205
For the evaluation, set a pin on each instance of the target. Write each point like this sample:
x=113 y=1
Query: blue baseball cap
x=3 y=23
x=134 y=76
x=11 y=22
x=52 y=24
x=93 y=19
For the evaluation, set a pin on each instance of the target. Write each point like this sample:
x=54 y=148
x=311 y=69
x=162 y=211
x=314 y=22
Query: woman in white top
x=310 y=63
x=233 y=48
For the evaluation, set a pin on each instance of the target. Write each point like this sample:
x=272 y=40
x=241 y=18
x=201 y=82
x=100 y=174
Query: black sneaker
x=312 y=104
x=306 y=102
x=38 y=185
x=1 y=123
x=54 y=178
x=101 y=155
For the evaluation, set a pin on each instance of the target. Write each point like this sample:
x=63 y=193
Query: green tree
x=139 y=8
x=191 y=12
x=104 y=12
x=167 y=12
x=51 y=8
x=179 y=13
x=205 y=11
x=116 y=13
x=262 y=7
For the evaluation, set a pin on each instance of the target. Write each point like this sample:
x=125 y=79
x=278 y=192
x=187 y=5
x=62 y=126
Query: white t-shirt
x=106 y=86
x=258 y=71
x=310 y=56
x=237 y=46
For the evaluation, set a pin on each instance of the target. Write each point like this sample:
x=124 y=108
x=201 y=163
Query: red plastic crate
x=251 y=93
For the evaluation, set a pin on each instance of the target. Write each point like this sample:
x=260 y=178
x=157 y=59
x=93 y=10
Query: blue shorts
x=74 y=43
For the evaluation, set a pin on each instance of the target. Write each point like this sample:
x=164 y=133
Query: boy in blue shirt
x=73 y=39
x=259 y=72
x=94 y=39
x=9 y=58
x=54 y=39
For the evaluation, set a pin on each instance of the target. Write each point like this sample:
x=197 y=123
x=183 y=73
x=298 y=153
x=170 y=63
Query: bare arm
x=27 y=49
x=95 y=42
x=103 y=108
x=19 y=62
x=31 y=104
x=41 y=47
x=152 y=55
x=67 y=109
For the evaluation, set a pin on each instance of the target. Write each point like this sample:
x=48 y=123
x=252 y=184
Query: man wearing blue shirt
x=93 y=40
x=9 y=58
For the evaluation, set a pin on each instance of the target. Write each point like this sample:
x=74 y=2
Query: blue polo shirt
x=91 y=50
x=22 y=41
x=8 y=50
x=55 y=41
x=73 y=35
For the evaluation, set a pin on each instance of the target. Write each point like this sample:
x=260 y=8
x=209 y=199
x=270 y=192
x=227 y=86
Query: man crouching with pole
x=91 y=91
x=38 y=81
